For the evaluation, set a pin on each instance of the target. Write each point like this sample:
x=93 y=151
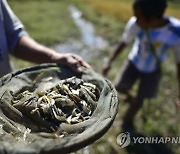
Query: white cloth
x=161 y=38
x=11 y=29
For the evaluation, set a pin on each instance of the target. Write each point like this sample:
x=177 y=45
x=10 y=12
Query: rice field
x=158 y=116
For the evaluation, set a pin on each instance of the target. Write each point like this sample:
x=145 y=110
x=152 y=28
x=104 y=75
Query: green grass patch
x=48 y=22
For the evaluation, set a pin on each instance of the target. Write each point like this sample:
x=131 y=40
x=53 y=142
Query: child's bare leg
x=126 y=97
x=132 y=111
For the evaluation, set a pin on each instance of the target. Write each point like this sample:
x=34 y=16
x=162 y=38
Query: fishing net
x=28 y=128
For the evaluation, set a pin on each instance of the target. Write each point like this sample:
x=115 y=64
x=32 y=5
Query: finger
x=81 y=61
x=75 y=65
x=76 y=57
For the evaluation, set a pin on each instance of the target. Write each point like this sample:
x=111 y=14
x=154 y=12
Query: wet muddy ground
x=89 y=45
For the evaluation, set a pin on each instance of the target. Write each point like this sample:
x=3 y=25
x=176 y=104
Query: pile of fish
x=71 y=101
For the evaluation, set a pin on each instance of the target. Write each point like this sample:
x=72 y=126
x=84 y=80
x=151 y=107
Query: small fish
x=70 y=101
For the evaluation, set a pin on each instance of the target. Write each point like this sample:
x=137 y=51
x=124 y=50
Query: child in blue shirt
x=153 y=34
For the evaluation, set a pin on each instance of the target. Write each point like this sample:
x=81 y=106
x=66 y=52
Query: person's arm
x=28 y=49
x=118 y=50
x=24 y=47
x=129 y=35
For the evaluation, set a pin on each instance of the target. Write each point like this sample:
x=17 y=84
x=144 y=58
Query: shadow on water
x=90 y=43
x=147 y=148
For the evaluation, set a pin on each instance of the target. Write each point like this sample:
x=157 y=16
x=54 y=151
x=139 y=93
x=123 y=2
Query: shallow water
x=90 y=43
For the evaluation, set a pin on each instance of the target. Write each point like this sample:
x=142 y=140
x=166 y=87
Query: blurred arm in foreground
x=15 y=40
x=28 y=49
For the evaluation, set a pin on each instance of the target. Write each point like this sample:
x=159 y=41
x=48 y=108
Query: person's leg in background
x=148 y=88
x=125 y=80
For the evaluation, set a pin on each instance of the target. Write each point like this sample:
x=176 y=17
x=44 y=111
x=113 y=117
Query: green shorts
x=148 y=82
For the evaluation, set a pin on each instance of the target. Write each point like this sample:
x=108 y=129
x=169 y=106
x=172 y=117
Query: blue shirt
x=11 y=29
x=161 y=38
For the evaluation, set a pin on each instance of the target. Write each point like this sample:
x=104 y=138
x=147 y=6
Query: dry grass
x=122 y=10
x=173 y=12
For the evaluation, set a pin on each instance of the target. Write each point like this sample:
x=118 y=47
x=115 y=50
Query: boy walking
x=154 y=33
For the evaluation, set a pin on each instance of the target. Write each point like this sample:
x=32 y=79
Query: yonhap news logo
x=124 y=140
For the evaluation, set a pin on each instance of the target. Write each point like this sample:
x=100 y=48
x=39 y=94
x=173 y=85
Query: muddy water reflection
x=90 y=43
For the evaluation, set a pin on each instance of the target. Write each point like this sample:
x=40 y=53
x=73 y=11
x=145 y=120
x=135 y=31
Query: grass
x=158 y=116
x=121 y=10
x=50 y=23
